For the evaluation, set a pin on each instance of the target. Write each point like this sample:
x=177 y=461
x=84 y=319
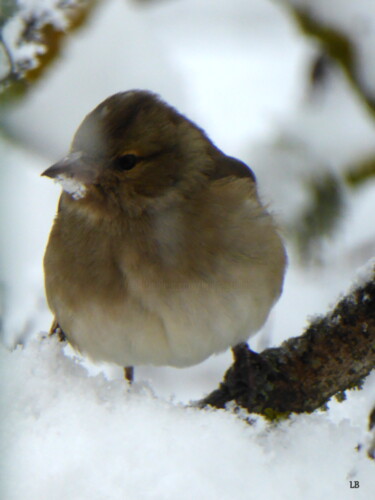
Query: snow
x=71 y=429
x=364 y=274
x=70 y=435
x=71 y=186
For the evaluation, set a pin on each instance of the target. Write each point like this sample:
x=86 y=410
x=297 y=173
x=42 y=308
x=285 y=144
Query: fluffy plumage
x=167 y=255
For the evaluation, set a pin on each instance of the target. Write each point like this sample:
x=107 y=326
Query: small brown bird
x=161 y=252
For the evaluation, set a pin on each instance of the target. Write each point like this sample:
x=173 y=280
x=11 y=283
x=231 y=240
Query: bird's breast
x=171 y=291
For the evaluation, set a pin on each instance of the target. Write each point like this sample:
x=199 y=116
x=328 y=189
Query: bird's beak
x=74 y=172
x=73 y=166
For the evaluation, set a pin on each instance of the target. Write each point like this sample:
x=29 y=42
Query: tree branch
x=339 y=46
x=335 y=353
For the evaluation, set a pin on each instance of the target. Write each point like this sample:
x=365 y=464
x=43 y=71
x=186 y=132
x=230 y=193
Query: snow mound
x=66 y=434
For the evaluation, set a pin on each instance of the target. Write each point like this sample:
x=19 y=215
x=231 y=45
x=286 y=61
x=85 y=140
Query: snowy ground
x=68 y=431
x=67 y=435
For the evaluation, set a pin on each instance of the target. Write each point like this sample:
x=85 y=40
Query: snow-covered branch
x=335 y=353
x=22 y=33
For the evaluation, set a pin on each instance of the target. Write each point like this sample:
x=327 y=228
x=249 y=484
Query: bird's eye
x=125 y=162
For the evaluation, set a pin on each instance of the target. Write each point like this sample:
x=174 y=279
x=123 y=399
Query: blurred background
x=288 y=87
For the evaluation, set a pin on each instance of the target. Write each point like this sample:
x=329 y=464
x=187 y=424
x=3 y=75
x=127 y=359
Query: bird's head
x=133 y=152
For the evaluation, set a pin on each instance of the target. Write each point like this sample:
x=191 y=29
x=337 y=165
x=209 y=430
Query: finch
x=161 y=252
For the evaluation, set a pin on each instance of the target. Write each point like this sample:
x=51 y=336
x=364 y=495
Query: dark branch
x=335 y=353
x=339 y=46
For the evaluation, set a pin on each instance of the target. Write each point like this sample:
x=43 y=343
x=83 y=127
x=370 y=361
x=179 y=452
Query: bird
x=161 y=252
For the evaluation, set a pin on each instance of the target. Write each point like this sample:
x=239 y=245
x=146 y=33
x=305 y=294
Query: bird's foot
x=57 y=330
x=129 y=374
